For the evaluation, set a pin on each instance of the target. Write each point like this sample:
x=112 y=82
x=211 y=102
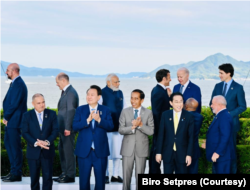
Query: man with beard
x=14 y=106
x=112 y=97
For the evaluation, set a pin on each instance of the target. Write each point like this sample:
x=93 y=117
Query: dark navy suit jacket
x=198 y=118
x=15 y=103
x=87 y=134
x=236 y=102
x=192 y=91
x=184 y=137
x=31 y=132
x=160 y=103
x=220 y=137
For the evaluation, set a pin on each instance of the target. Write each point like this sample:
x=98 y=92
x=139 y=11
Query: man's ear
x=171 y=103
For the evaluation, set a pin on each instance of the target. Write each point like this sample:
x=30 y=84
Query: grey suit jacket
x=137 y=141
x=67 y=105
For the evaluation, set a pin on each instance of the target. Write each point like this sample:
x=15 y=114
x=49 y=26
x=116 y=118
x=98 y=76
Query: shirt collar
x=65 y=88
x=90 y=108
x=15 y=78
x=164 y=87
x=139 y=109
x=229 y=82
x=38 y=113
x=186 y=84
x=179 y=113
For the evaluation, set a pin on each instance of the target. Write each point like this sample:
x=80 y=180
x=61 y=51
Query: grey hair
x=109 y=77
x=36 y=95
x=220 y=100
x=184 y=69
x=63 y=75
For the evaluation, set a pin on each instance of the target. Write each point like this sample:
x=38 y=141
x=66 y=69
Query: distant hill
x=35 y=71
x=207 y=68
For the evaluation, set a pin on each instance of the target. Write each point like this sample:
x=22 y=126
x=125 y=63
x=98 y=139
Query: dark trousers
x=174 y=165
x=67 y=156
x=12 y=143
x=234 y=161
x=221 y=167
x=47 y=171
x=85 y=166
x=193 y=168
x=154 y=167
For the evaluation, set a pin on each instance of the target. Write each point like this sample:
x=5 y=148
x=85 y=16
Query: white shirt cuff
x=47 y=142
x=35 y=145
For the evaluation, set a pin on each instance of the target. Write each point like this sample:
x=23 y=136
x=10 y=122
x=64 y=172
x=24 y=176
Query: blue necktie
x=224 y=90
x=136 y=115
x=40 y=120
x=93 y=125
x=181 y=88
x=93 y=120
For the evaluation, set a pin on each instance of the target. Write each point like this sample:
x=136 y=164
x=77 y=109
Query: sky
x=121 y=37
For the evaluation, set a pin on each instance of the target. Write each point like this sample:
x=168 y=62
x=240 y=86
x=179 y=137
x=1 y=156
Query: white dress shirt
x=138 y=114
x=178 y=115
x=185 y=86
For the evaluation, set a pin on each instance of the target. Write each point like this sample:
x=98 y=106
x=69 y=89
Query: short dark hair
x=98 y=89
x=227 y=68
x=160 y=74
x=176 y=94
x=142 y=95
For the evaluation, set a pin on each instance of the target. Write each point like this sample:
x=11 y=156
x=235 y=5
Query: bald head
x=12 y=71
x=191 y=104
x=218 y=103
x=62 y=80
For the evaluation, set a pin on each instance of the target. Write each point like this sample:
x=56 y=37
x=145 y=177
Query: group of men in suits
x=109 y=129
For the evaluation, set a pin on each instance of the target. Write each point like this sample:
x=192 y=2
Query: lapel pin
x=182 y=120
x=100 y=112
x=232 y=88
x=170 y=119
x=120 y=98
x=45 y=115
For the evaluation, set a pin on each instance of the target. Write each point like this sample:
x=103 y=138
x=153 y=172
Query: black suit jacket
x=198 y=118
x=184 y=137
x=31 y=132
x=159 y=103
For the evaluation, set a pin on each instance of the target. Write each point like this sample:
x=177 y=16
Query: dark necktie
x=62 y=93
x=224 y=90
x=10 y=84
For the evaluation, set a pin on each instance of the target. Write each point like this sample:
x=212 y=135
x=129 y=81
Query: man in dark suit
x=175 y=142
x=67 y=105
x=93 y=121
x=14 y=106
x=40 y=129
x=236 y=101
x=159 y=103
x=187 y=88
x=219 y=145
x=191 y=106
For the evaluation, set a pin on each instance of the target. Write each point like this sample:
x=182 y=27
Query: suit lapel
x=64 y=95
x=131 y=113
x=181 y=123
x=34 y=116
x=188 y=88
x=45 y=119
x=171 y=122
x=230 y=90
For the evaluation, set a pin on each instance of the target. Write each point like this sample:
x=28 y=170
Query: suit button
x=41 y=134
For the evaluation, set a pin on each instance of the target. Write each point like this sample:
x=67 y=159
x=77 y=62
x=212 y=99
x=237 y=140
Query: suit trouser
x=222 y=167
x=47 y=171
x=154 y=167
x=193 y=168
x=12 y=143
x=174 y=166
x=67 y=156
x=128 y=165
x=85 y=166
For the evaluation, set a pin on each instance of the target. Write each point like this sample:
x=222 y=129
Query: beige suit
x=135 y=145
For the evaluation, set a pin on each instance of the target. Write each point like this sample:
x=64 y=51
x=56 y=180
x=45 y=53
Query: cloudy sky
x=121 y=37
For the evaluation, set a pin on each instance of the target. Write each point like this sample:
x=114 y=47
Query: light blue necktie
x=224 y=90
x=40 y=120
x=136 y=115
x=93 y=125
x=181 y=88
